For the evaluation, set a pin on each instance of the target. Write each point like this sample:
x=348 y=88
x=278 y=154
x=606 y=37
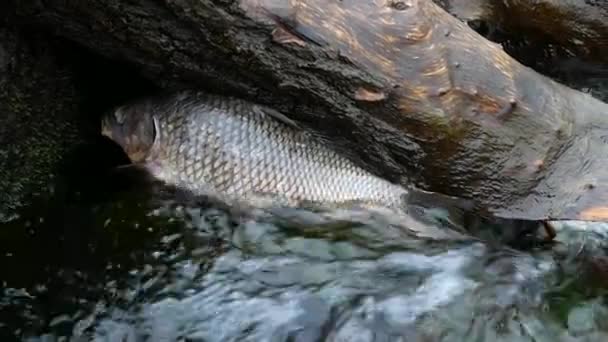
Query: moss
x=52 y=93
x=39 y=106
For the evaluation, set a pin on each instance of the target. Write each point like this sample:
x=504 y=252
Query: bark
x=562 y=39
x=577 y=27
x=467 y=10
x=410 y=90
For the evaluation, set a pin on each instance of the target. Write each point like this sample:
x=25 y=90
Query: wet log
x=405 y=89
x=467 y=10
x=575 y=27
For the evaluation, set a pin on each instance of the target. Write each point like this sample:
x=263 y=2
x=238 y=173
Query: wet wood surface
x=400 y=86
x=580 y=27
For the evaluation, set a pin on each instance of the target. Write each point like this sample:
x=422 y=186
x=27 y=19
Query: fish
x=240 y=150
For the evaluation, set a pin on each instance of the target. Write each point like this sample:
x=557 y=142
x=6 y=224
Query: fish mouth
x=106 y=128
x=106 y=132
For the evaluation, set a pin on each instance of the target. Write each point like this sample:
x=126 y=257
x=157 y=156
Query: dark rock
x=39 y=116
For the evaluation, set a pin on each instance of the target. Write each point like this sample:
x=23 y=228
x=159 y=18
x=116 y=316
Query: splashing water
x=149 y=269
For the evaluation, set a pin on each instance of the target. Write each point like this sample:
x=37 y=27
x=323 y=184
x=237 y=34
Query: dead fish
x=210 y=144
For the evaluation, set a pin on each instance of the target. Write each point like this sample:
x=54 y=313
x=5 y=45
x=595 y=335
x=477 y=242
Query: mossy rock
x=39 y=117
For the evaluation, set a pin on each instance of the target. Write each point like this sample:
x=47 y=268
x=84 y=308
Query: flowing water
x=116 y=260
x=141 y=265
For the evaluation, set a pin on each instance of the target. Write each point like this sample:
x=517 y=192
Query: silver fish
x=240 y=150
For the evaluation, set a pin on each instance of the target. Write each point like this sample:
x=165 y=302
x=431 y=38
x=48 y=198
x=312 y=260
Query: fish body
x=240 y=150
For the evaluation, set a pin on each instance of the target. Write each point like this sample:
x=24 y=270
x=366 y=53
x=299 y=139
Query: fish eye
x=119 y=116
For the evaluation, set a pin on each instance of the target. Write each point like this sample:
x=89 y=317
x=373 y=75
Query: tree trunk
x=580 y=27
x=402 y=87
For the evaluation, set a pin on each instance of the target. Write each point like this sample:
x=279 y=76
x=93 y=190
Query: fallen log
x=467 y=10
x=400 y=86
x=574 y=27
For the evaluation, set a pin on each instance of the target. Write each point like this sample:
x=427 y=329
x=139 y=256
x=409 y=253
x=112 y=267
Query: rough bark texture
x=563 y=39
x=412 y=91
x=38 y=116
x=580 y=27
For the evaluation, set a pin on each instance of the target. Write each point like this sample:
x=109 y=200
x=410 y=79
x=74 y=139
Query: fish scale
x=239 y=149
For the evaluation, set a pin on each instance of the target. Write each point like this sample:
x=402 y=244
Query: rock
x=39 y=117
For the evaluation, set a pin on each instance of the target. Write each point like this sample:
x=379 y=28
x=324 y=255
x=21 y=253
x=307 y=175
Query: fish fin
x=419 y=197
x=276 y=115
x=449 y=210
x=147 y=169
x=154 y=168
x=126 y=168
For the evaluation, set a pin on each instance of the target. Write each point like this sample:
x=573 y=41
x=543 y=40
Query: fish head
x=134 y=128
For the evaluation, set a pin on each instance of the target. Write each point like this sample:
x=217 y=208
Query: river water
x=126 y=261
x=139 y=264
